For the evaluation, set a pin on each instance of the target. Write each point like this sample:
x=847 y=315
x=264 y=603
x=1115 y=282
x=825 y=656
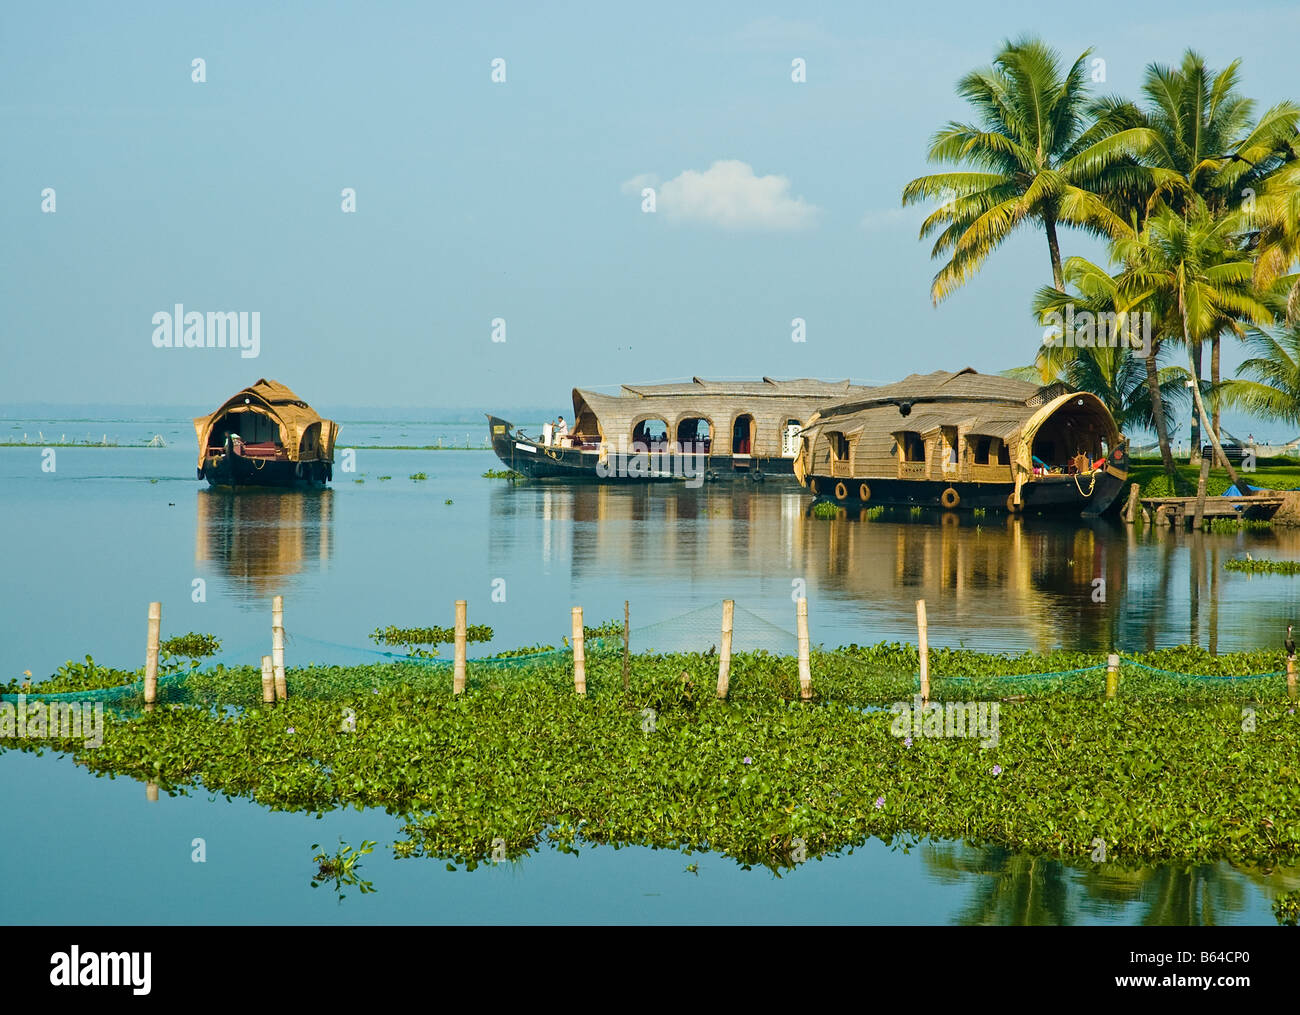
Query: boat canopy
x=992 y=427
x=268 y=410
x=762 y=410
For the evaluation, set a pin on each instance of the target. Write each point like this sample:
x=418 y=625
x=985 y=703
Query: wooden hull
x=1091 y=496
x=235 y=471
x=537 y=461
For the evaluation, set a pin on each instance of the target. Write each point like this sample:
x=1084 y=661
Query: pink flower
x=907 y=742
x=996 y=769
x=880 y=802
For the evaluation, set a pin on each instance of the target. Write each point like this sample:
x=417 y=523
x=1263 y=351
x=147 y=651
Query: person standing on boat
x=561 y=431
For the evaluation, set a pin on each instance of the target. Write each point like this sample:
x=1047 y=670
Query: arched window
x=742 y=435
x=694 y=435
x=913 y=448
x=650 y=435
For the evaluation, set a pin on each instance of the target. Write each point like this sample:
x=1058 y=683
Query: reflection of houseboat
x=265 y=436
x=967 y=440
x=702 y=429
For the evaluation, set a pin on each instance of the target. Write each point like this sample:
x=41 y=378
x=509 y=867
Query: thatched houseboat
x=265 y=436
x=967 y=440
x=691 y=431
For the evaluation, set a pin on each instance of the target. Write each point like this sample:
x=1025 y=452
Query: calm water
x=84 y=548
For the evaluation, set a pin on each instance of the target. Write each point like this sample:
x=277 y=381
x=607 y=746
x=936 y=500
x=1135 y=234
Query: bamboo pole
x=151 y=656
x=923 y=648
x=805 y=670
x=268 y=681
x=277 y=648
x=1112 y=675
x=1290 y=678
x=151 y=791
x=458 y=671
x=724 y=657
x=579 y=654
x=627 y=661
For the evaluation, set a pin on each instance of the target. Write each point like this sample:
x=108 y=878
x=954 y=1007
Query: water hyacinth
x=521 y=758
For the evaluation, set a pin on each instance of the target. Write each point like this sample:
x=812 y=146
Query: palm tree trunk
x=1214 y=380
x=1054 y=249
x=1158 y=414
x=1205 y=420
x=1194 y=457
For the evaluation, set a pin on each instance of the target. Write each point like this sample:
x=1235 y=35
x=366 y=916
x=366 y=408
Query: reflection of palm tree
x=1201 y=895
x=1014 y=890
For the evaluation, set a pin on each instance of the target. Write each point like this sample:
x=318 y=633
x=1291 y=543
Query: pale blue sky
x=478 y=200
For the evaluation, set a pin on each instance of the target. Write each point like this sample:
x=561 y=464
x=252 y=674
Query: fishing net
x=763 y=663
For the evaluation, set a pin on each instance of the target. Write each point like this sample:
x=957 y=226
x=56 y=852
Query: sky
x=517 y=201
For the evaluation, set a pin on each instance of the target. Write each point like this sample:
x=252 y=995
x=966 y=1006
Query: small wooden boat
x=265 y=436
x=692 y=432
x=967 y=440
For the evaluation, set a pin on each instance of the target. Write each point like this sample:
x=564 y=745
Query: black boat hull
x=235 y=470
x=538 y=461
x=1091 y=495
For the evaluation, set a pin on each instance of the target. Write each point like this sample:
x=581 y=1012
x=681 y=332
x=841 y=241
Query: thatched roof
x=971 y=403
x=291 y=414
x=770 y=402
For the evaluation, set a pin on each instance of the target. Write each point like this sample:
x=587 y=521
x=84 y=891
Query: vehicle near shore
x=695 y=431
x=265 y=435
x=967 y=440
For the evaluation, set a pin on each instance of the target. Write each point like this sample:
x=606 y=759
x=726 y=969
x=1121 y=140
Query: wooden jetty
x=1175 y=511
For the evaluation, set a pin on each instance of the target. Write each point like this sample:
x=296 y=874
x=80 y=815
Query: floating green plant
x=342 y=867
x=384 y=479
x=1169 y=770
x=502 y=474
x=419 y=477
x=826 y=509
x=1286 y=908
x=1263 y=566
x=410 y=637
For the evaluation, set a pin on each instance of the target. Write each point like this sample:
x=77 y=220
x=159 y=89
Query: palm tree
x=1031 y=157
x=1193 y=271
x=1275 y=212
x=1206 y=147
x=1271 y=384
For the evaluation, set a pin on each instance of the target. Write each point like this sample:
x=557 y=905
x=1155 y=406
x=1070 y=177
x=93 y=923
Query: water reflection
x=256 y=539
x=992 y=582
x=1013 y=889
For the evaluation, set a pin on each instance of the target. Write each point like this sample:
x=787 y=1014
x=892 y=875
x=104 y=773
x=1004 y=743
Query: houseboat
x=967 y=440
x=696 y=431
x=265 y=436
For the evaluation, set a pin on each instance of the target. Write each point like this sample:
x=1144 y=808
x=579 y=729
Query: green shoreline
x=1175 y=768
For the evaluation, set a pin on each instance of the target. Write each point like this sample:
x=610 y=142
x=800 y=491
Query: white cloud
x=638 y=183
x=729 y=195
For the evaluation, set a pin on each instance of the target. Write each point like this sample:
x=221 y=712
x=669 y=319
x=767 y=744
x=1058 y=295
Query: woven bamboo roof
x=771 y=402
x=276 y=400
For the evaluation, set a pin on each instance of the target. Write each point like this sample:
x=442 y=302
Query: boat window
x=790 y=438
x=912 y=445
x=839 y=446
x=650 y=435
x=742 y=435
x=982 y=446
x=1004 y=453
x=695 y=435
